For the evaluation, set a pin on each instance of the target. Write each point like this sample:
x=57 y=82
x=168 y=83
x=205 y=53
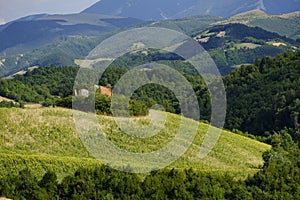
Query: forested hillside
x=231 y=45
x=262 y=98
x=40 y=84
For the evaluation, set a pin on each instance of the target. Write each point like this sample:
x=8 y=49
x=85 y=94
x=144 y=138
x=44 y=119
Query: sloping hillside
x=45 y=139
x=53 y=39
x=231 y=45
x=47 y=28
x=264 y=98
x=285 y=24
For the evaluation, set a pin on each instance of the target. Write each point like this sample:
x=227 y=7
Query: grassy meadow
x=45 y=139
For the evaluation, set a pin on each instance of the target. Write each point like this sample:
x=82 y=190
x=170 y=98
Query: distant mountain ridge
x=232 y=45
x=273 y=23
x=44 y=40
x=172 y=9
x=43 y=28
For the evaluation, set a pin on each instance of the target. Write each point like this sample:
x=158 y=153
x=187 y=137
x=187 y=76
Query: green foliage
x=102 y=104
x=8 y=104
x=40 y=84
x=153 y=94
x=250 y=39
x=263 y=83
x=65 y=102
x=55 y=59
x=105 y=183
x=279 y=178
x=261 y=98
x=137 y=108
x=264 y=97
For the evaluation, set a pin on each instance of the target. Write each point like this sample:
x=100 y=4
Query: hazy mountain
x=165 y=9
x=36 y=30
x=41 y=39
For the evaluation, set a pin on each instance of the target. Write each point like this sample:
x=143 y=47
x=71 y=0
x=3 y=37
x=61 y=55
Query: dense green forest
x=53 y=86
x=40 y=84
x=264 y=98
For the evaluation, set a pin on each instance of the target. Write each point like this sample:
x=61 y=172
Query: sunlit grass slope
x=46 y=139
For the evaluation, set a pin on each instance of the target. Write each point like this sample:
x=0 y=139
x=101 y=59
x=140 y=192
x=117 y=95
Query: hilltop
x=283 y=24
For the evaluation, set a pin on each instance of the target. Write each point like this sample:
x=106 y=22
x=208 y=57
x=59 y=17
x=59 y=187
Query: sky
x=14 y=9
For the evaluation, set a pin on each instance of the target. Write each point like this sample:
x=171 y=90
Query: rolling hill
x=187 y=25
x=240 y=44
x=53 y=39
x=63 y=50
x=42 y=29
x=232 y=45
x=46 y=139
x=284 y=24
x=44 y=40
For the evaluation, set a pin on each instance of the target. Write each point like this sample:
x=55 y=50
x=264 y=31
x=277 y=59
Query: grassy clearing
x=46 y=139
x=247 y=45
